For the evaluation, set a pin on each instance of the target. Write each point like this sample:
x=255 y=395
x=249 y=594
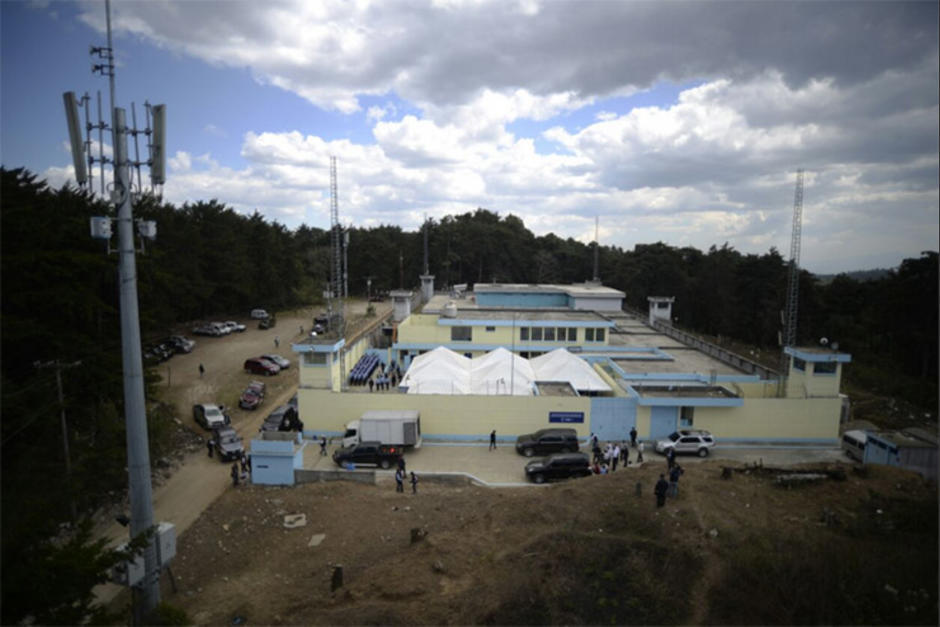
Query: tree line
x=60 y=304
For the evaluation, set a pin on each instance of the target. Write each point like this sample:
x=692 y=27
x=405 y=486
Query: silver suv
x=694 y=441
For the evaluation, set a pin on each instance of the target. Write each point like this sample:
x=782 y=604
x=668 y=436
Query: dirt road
x=199 y=480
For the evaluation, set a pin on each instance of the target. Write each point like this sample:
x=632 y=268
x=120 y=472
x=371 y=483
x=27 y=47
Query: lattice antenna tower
x=597 y=247
x=336 y=267
x=793 y=284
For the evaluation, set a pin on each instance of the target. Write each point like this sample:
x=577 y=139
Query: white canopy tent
x=560 y=365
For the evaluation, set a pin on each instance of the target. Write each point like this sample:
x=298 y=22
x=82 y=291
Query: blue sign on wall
x=566 y=416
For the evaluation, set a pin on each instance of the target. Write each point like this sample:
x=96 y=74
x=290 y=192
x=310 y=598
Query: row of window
x=820 y=367
x=535 y=334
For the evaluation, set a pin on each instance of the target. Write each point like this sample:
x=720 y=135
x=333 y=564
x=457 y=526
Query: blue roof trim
x=815 y=357
x=318 y=348
x=580 y=324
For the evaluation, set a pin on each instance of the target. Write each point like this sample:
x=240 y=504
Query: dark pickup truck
x=373 y=453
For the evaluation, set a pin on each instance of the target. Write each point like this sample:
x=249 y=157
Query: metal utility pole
x=597 y=246
x=135 y=412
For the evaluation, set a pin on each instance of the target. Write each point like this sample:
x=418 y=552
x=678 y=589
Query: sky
x=679 y=122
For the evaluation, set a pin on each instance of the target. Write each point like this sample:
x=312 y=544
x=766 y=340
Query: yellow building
x=661 y=379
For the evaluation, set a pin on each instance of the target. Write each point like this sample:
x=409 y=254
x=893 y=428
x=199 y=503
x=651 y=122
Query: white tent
x=501 y=372
x=440 y=371
x=560 y=365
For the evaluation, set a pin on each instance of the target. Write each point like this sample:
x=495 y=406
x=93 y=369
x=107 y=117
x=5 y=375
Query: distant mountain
x=859 y=275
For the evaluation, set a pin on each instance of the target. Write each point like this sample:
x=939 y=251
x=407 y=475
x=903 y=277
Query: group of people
x=606 y=460
x=241 y=468
x=383 y=382
x=400 y=476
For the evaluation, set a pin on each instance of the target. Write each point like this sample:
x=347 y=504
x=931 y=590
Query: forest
x=59 y=304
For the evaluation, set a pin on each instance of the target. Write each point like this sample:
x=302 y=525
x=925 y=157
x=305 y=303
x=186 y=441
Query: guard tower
x=661 y=309
x=402 y=301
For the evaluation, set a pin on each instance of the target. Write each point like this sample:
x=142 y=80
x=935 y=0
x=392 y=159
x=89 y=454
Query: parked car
x=234 y=327
x=692 y=441
x=281 y=362
x=558 y=466
x=545 y=441
x=211 y=416
x=258 y=314
x=268 y=322
x=213 y=329
x=228 y=444
x=182 y=343
x=158 y=353
x=284 y=418
x=258 y=365
x=370 y=453
x=252 y=396
x=222 y=327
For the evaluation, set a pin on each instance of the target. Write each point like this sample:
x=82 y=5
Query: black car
x=284 y=418
x=558 y=466
x=372 y=453
x=227 y=443
x=545 y=441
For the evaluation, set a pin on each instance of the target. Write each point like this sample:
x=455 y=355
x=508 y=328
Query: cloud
x=439 y=54
x=845 y=90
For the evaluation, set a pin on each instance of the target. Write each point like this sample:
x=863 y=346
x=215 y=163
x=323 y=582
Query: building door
x=663 y=421
x=612 y=418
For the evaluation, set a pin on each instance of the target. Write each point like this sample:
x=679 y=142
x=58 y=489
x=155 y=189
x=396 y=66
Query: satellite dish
x=823 y=341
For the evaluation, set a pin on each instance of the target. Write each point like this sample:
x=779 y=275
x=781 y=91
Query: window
x=562 y=334
x=524 y=334
x=824 y=367
x=461 y=334
x=490 y=329
x=314 y=359
x=799 y=364
x=589 y=335
x=573 y=334
x=686 y=416
x=536 y=334
x=599 y=335
x=550 y=334
x=662 y=305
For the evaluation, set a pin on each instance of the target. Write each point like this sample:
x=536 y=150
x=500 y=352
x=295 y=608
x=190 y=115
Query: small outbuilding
x=902 y=450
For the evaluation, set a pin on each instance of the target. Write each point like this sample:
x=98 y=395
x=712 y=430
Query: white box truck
x=398 y=427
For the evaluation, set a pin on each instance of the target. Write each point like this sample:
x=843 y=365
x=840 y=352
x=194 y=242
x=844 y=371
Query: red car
x=252 y=396
x=257 y=365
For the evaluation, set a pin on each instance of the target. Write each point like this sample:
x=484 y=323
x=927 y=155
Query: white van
x=853 y=443
x=258 y=314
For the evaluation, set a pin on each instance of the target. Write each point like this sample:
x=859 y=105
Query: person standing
x=234 y=474
x=371 y=383
x=639 y=452
x=202 y=370
x=401 y=463
x=660 y=490
x=209 y=446
x=633 y=437
x=670 y=458
x=674 y=475
x=414 y=483
x=614 y=458
x=399 y=480
x=624 y=453
x=492 y=439
x=323 y=445
x=277 y=342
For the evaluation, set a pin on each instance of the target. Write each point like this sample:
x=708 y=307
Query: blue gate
x=663 y=421
x=612 y=418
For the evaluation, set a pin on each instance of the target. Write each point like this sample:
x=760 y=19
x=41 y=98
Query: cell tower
x=122 y=195
x=597 y=247
x=793 y=282
x=335 y=304
x=793 y=285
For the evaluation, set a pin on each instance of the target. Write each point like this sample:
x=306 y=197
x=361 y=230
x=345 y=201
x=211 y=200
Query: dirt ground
x=187 y=483
x=239 y=563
